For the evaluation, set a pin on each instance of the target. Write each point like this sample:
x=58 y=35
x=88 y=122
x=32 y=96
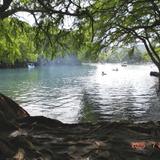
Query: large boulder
x=10 y=109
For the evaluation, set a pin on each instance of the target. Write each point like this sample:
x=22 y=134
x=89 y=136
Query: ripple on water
x=81 y=93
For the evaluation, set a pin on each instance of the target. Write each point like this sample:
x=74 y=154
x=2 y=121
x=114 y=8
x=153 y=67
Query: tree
x=51 y=19
x=128 y=22
x=55 y=10
x=16 y=45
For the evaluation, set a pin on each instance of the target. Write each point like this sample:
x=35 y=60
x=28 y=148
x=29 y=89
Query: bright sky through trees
x=27 y=17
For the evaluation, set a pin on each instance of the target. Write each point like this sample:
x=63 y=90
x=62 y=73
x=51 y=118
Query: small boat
x=30 y=65
x=124 y=64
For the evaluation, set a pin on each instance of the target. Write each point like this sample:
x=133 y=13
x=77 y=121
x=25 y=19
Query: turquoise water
x=80 y=93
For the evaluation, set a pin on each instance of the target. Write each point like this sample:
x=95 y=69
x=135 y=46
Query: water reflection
x=95 y=107
x=88 y=109
x=81 y=93
x=153 y=111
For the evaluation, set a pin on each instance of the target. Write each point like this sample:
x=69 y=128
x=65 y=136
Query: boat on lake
x=30 y=65
x=124 y=64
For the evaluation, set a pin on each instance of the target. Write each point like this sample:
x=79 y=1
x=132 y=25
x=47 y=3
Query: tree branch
x=5 y=6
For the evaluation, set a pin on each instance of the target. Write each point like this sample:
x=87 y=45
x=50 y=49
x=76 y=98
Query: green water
x=80 y=93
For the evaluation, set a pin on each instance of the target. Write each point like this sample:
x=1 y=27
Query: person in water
x=103 y=73
x=115 y=69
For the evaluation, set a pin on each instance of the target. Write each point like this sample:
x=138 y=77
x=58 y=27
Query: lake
x=82 y=94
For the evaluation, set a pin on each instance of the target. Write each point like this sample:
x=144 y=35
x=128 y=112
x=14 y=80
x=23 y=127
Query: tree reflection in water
x=88 y=107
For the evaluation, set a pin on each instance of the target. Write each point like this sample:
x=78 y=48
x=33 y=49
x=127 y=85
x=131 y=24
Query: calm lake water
x=80 y=93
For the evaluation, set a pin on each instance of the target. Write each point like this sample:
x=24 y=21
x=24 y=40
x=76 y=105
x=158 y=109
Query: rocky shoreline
x=24 y=137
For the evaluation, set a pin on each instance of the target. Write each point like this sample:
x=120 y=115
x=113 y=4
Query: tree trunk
x=159 y=79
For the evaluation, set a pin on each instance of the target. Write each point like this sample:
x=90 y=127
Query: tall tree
x=128 y=22
x=51 y=20
x=16 y=44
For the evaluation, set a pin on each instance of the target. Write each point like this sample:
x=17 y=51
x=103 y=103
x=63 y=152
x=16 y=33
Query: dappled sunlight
x=125 y=92
x=141 y=145
x=130 y=75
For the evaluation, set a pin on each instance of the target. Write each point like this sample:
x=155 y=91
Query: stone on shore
x=11 y=109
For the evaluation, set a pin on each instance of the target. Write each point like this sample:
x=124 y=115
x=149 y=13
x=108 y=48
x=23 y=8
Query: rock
x=10 y=109
x=41 y=120
x=17 y=133
x=20 y=155
x=5 y=149
x=5 y=124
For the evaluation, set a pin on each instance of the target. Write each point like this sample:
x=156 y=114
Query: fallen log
x=11 y=109
x=155 y=74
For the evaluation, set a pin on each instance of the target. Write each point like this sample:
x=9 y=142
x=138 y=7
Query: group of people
x=103 y=73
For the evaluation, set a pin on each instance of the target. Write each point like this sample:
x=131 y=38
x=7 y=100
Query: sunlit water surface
x=81 y=93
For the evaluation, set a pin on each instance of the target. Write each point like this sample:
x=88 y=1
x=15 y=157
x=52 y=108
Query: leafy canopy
x=16 y=43
x=96 y=25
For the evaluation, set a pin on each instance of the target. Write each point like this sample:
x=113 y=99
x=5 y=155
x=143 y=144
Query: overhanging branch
x=5 y=5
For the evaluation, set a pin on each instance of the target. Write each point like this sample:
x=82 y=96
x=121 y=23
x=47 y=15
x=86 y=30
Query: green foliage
x=96 y=26
x=102 y=57
x=16 y=44
x=146 y=57
x=24 y=1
